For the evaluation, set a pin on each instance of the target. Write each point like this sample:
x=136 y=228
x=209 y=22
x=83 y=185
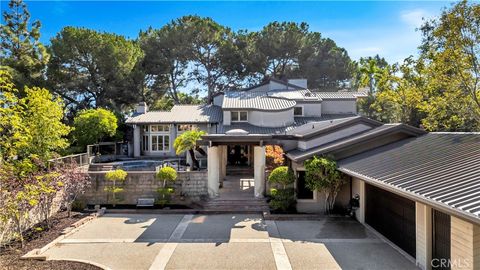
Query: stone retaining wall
x=192 y=185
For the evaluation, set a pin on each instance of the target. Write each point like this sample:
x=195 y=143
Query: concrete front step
x=236 y=204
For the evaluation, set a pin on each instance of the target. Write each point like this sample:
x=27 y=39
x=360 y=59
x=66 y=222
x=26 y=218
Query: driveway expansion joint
x=164 y=255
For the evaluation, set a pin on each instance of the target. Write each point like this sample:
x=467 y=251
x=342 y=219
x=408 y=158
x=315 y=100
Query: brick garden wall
x=193 y=185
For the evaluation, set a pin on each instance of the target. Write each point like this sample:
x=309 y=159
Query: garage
x=392 y=216
x=441 y=233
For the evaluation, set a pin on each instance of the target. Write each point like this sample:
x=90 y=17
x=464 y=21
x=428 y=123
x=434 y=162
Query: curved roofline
x=261 y=96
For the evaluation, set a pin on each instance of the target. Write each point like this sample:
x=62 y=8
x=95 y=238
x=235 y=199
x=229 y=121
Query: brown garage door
x=440 y=240
x=393 y=216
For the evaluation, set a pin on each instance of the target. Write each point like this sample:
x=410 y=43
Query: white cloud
x=414 y=18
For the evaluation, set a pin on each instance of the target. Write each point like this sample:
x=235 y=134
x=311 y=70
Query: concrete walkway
x=226 y=242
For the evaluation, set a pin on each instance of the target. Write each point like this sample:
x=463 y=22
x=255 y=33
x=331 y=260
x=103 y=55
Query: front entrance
x=239 y=155
x=223 y=159
x=393 y=216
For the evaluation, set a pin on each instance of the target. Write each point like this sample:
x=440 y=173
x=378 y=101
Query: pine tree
x=21 y=49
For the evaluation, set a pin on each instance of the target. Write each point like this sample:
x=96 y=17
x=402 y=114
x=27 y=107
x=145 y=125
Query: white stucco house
x=420 y=190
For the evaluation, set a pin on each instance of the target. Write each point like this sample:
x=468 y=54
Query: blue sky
x=363 y=28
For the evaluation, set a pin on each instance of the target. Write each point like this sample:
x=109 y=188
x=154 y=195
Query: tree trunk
x=113 y=195
x=195 y=163
x=201 y=151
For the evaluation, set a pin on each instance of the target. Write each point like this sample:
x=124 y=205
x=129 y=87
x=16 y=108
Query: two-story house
x=420 y=190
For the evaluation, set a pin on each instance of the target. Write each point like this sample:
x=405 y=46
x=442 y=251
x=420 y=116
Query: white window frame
x=145 y=138
x=191 y=127
x=160 y=131
x=238 y=113
x=164 y=136
x=303 y=110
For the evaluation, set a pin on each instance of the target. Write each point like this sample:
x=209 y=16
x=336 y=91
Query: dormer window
x=298 y=111
x=239 y=116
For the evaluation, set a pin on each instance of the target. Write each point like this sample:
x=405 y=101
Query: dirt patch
x=38 y=237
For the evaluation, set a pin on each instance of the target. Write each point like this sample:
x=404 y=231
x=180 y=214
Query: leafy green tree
x=214 y=56
x=94 y=125
x=369 y=71
x=454 y=35
x=32 y=125
x=322 y=175
x=323 y=63
x=166 y=102
x=20 y=47
x=279 y=46
x=115 y=176
x=187 y=141
x=167 y=54
x=43 y=116
x=93 y=69
x=166 y=175
x=11 y=119
x=48 y=184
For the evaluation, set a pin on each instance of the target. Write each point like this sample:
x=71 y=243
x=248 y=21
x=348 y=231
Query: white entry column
x=223 y=163
x=213 y=153
x=259 y=170
x=423 y=228
x=136 y=141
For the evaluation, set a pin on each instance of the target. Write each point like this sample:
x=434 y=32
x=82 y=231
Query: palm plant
x=187 y=141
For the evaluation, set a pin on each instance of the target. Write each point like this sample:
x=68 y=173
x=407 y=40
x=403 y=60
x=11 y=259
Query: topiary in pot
x=115 y=176
x=166 y=175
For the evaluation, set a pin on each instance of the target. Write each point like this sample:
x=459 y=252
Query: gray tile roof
x=316 y=127
x=440 y=168
x=289 y=85
x=301 y=155
x=299 y=121
x=340 y=95
x=181 y=114
x=252 y=100
x=298 y=95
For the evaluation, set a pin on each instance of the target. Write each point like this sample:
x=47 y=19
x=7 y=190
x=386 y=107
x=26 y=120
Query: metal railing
x=80 y=159
x=180 y=164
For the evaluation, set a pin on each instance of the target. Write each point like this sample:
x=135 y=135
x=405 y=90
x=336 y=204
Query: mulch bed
x=10 y=255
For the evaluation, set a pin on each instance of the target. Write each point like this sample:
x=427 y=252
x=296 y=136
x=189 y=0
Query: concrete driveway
x=228 y=241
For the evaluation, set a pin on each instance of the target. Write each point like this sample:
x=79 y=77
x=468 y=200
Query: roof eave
x=398 y=128
x=440 y=206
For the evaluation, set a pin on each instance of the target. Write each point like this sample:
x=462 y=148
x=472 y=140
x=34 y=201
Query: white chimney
x=142 y=107
x=298 y=82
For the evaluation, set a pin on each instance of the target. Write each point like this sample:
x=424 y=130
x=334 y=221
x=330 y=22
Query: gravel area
x=10 y=255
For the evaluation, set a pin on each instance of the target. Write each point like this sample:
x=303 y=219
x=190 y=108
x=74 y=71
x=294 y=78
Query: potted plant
x=166 y=175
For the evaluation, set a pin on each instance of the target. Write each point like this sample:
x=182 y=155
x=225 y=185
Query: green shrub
x=79 y=205
x=115 y=176
x=283 y=200
x=282 y=176
x=166 y=175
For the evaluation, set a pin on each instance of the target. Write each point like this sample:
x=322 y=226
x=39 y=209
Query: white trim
x=299 y=106
x=434 y=204
x=163 y=142
x=238 y=114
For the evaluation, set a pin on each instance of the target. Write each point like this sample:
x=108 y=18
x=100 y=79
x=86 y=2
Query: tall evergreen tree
x=20 y=47
x=92 y=69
